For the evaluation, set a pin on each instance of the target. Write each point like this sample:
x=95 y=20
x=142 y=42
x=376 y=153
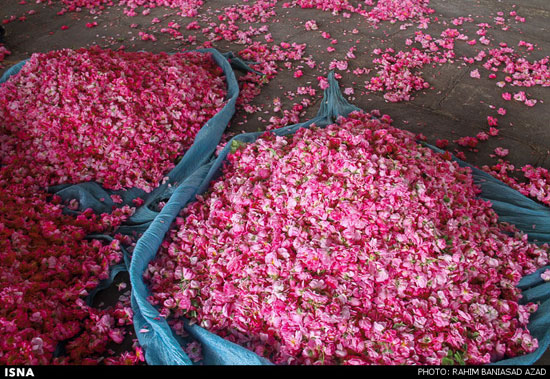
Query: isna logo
x=15 y=372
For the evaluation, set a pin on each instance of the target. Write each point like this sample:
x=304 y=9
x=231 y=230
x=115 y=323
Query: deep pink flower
x=475 y=74
x=492 y=121
x=501 y=152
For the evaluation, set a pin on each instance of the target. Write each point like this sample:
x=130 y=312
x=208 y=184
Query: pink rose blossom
x=501 y=152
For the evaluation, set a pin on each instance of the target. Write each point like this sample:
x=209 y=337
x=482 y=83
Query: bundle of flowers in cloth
x=348 y=244
x=69 y=116
x=49 y=272
x=117 y=118
x=117 y=124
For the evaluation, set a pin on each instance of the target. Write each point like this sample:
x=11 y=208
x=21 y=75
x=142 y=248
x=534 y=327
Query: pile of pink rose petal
x=69 y=116
x=350 y=244
x=48 y=268
x=118 y=118
x=535 y=183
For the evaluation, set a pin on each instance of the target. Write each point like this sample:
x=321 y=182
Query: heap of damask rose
x=117 y=118
x=48 y=268
x=350 y=244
